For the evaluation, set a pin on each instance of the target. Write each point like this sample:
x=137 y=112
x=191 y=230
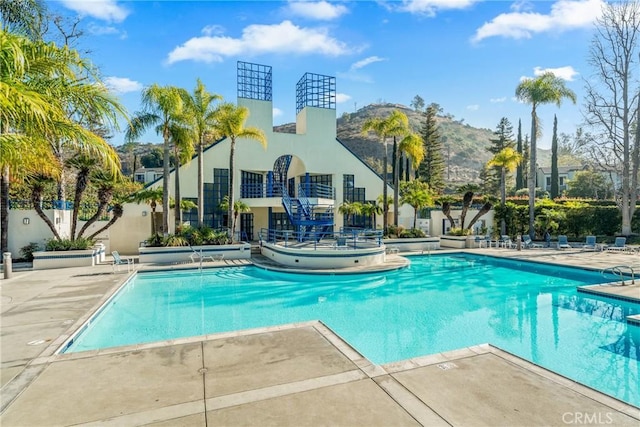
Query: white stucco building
x=311 y=164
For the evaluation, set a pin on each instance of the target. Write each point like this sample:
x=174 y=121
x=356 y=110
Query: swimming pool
x=439 y=303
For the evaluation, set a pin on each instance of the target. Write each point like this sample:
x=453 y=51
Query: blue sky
x=466 y=55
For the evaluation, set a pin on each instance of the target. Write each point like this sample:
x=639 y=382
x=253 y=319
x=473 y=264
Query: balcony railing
x=256 y=191
x=44 y=204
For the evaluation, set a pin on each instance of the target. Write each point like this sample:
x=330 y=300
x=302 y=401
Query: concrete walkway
x=291 y=375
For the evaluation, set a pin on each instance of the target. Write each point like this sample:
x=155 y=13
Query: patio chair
x=197 y=255
x=483 y=241
x=620 y=245
x=505 y=242
x=119 y=260
x=590 y=244
x=563 y=242
x=529 y=244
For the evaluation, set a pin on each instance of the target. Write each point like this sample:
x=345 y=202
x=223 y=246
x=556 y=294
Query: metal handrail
x=616 y=270
x=343 y=239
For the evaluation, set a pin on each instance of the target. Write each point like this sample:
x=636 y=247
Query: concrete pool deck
x=291 y=375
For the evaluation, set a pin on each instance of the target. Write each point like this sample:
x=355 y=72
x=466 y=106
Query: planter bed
x=181 y=254
x=413 y=243
x=62 y=259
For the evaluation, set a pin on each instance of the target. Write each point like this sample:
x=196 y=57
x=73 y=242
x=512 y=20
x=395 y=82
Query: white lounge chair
x=199 y=256
x=563 y=242
x=119 y=260
x=529 y=244
x=505 y=242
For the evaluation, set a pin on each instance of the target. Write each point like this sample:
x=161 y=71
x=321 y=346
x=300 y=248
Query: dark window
x=317 y=179
x=219 y=189
x=251 y=186
x=280 y=221
x=246 y=226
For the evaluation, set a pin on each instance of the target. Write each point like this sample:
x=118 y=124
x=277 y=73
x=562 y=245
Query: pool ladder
x=617 y=270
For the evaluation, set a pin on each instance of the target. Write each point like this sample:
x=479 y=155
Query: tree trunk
x=532 y=172
x=165 y=183
x=385 y=204
x=177 y=211
x=200 y=184
x=36 y=194
x=82 y=180
x=232 y=151
x=4 y=209
x=396 y=190
x=104 y=198
x=503 y=199
x=117 y=213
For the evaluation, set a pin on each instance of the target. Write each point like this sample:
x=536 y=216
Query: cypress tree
x=525 y=160
x=555 y=180
x=431 y=170
x=519 y=177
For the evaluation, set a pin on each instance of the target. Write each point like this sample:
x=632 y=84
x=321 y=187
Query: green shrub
x=27 y=251
x=412 y=232
x=80 y=243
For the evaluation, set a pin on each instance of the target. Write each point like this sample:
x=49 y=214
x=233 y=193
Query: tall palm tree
x=396 y=124
x=230 y=124
x=507 y=160
x=413 y=147
x=162 y=106
x=371 y=210
x=106 y=184
x=83 y=165
x=201 y=112
x=182 y=153
x=544 y=89
x=385 y=202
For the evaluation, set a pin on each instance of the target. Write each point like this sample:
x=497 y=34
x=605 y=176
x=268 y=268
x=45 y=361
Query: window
x=191 y=215
x=251 y=185
x=280 y=221
x=314 y=180
x=246 y=226
x=214 y=193
x=562 y=180
x=548 y=181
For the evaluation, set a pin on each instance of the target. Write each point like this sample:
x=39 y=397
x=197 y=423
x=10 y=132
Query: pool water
x=439 y=303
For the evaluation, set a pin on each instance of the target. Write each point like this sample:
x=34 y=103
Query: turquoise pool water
x=439 y=303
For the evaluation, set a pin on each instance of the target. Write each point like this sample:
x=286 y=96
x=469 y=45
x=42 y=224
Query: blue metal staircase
x=308 y=223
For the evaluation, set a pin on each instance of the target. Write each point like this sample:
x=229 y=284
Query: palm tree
x=182 y=153
x=230 y=124
x=413 y=147
x=38 y=83
x=507 y=160
x=396 y=124
x=162 y=106
x=385 y=206
x=371 y=210
x=544 y=89
x=418 y=195
x=201 y=112
x=467 y=191
x=350 y=210
x=238 y=207
x=25 y=17
x=83 y=165
x=106 y=183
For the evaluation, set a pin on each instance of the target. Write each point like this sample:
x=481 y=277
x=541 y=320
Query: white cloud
x=122 y=84
x=473 y=107
x=366 y=61
x=277 y=112
x=498 y=100
x=342 y=97
x=105 y=10
x=431 y=7
x=565 y=73
x=213 y=30
x=564 y=15
x=521 y=6
x=321 y=10
x=283 y=38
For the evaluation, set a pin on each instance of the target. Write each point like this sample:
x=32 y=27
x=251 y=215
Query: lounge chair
x=529 y=244
x=505 y=242
x=119 y=260
x=590 y=244
x=620 y=245
x=199 y=256
x=563 y=242
x=483 y=241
